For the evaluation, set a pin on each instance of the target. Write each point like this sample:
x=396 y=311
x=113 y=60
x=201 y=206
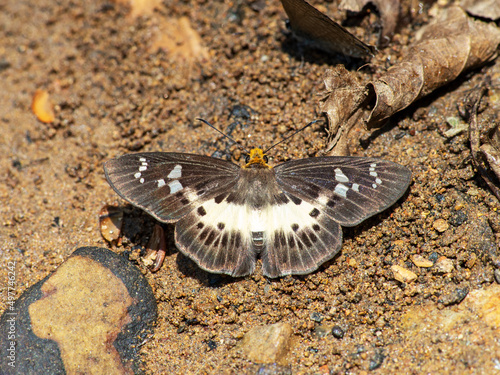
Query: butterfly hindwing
x=347 y=189
x=169 y=185
x=216 y=236
x=300 y=238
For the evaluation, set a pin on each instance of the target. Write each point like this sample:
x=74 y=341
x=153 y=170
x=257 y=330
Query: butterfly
x=227 y=216
x=316 y=29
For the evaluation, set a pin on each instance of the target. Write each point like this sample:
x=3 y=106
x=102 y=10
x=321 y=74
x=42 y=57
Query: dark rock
x=96 y=302
x=337 y=332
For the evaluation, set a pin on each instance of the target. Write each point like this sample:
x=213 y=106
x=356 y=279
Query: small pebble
x=497 y=276
x=420 y=261
x=337 y=332
x=322 y=331
x=316 y=317
x=403 y=275
x=454 y=297
x=440 y=225
x=444 y=265
x=267 y=344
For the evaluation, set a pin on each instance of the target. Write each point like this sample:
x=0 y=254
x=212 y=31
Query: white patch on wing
x=161 y=182
x=340 y=176
x=175 y=186
x=378 y=181
x=341 y=190
x=268 y=220
x=176 y=172
x=323 y=199
x=355 y=187
x=137 y=175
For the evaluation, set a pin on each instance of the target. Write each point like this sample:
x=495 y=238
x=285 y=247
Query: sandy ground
x=115 y=93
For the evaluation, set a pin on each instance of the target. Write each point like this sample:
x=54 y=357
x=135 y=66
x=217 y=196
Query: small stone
x=267 y=344
x=455 y=297
x=316 y=317
x=322 y=331
x=377 y=360
x=440 y=225
x=444 y=265
x=420 y=261
x=403 y=275
x=337 y=332
x=497 y=276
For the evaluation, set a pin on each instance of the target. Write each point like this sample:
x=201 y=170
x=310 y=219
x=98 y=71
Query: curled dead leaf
x=488 y=9
x=42 y=106
x=317 y=30
x=389 y=15
x=155 y=249
x=446 y=48
x=110 y=223
x=342 y=103
x=487 y=154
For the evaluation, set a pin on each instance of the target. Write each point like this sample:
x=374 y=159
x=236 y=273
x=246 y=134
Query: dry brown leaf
x=488 y=9
x=110 y=223
x=445 y=49
x=42 y=107
x=489 y=153
x=317 y=30
x=342 y=102
x=389 y=14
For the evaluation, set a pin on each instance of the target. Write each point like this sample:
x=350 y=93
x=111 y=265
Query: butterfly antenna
x=225 y=135
x=291 y=135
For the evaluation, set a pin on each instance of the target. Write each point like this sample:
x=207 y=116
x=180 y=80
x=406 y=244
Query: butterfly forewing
x=169 y=185
x=347 y=189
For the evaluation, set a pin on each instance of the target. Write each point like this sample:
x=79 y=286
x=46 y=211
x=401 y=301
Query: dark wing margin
x=347 y=189
x=169 y=185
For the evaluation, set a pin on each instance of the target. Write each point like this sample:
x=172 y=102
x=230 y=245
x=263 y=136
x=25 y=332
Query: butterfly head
x=256 y=159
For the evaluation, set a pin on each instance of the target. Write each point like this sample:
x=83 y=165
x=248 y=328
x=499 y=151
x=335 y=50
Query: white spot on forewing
x=340 y=176
x=374 y=174
x=176 y=172
x=161 y=182
x=137 y=175
x=374 y=186
x=142 y=159
x=355 y=187
x=142 y=168
x=373 y=165
x=378 y=181
x=141 y=180
x=175 y=186
x=341 y=190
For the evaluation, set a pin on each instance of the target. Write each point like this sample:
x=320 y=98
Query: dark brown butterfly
x=227 y=216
